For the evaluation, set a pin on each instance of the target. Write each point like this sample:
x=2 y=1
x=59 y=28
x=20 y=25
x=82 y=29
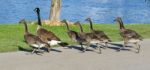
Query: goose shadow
x=78 y=48
x=56 y=50
x=103 y=47
x=30 y=50
x=93 y=46
x=24 y=49
x=117 y=47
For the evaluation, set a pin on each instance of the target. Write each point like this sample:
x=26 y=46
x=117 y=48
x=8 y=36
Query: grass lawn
x=12 y=34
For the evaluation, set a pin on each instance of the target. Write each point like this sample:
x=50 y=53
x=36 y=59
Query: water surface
x=101 y=11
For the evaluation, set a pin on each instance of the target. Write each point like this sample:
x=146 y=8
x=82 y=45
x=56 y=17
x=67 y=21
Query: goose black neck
x=39 y=18
x=26 y=27
x=121 y=24
x=67 y=25
x=91 y=24
x=81 y=29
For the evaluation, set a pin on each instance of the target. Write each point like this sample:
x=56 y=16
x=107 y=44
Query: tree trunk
x=55 y=10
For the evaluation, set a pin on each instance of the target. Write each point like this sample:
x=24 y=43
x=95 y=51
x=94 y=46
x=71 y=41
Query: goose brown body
x=99 y=34
x=128 y=35
x=75 y=36
x=33 y=40
x=89 y=38
x=45 y=35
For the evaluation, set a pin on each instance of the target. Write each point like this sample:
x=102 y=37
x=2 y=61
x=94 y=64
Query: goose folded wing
x=131 y=34
x=99 y=32
x=48 y=34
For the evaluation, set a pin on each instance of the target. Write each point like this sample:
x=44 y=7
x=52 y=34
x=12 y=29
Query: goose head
x=22 y=21
x=88 y=19
x=64 y=21
x=120 y=22
x=77 y=23
x=37 y=9
x=118 y=19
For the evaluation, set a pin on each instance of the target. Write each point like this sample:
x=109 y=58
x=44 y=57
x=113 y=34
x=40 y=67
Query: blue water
x=101 y=11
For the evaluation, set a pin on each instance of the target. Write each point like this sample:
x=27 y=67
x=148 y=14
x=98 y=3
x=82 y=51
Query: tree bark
x=55 y=10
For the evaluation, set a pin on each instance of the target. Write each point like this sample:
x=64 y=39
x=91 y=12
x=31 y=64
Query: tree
x=55 y=10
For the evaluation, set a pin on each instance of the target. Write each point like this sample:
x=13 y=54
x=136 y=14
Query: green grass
x=12 y=34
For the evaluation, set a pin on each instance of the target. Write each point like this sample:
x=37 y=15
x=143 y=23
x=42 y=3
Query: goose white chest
x=53 y=42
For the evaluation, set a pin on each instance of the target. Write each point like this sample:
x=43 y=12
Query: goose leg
x=138 y=47
x=33 y=51
x=82 y=48
x=106 y=45
x=48 y=47
x=39 y=48
x=88 y=45
x=99 y=48
x=124 y=45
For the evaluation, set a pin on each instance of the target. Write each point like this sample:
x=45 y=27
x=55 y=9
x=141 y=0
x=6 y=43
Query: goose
x=45 y=35
x=32 y=40
x=89 y=38
x=100 y=34
x=128 y=35
x=74 y=36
